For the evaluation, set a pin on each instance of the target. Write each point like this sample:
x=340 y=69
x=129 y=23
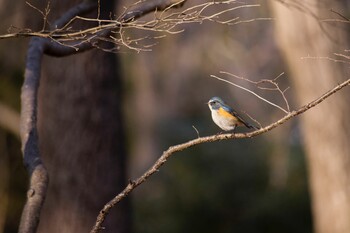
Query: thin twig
x=253 y=119
x=272 y=82
x=327 y=58
x=196 y=131
x=253 y=93
x=341 y=15
x=163 y=21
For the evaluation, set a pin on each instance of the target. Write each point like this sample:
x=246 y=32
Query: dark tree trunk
x=81 y=138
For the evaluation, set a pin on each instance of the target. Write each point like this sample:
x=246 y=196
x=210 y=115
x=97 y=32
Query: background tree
x=326 y=130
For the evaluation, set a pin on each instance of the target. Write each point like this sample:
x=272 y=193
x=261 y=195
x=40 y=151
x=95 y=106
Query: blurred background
x=105 y=118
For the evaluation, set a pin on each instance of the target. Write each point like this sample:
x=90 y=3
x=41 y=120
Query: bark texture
x=82 y=141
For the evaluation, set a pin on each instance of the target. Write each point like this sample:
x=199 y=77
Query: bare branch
x=331 y=59
x=253 y=119
x=341 y=15
x=196 y=130
x=88 y=38
x=44 y=14
x=81 y=9
x=35 y=199
x=164 y=22
x=343 y=56
x=200 y=140
x=150 y=6
x=247 y=90
x=272 y=82
x=311 y=10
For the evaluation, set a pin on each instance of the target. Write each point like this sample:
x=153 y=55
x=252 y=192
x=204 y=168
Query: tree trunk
x=325 y=129
x=81 y=138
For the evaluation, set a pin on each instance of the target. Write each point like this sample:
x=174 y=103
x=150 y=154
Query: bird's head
x=215 y=103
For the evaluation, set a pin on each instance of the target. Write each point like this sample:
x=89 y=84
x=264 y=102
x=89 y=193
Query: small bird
x=225 y=117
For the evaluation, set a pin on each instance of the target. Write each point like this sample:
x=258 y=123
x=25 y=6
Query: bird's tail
x=247 y=124
x=251 y=126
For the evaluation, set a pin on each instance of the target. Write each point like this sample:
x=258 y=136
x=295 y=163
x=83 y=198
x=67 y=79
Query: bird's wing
x=234 y=113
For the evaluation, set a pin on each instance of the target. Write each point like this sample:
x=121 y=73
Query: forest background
x=104 y=118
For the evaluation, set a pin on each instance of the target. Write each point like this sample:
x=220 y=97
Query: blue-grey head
x=215 y=103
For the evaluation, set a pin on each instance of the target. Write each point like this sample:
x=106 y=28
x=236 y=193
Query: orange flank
x=229 y=116
x=226 y=114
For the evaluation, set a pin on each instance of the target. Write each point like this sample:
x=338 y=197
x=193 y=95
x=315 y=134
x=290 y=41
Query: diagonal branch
x=200 y=140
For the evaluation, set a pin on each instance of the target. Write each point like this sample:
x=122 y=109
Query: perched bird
x=224 y=116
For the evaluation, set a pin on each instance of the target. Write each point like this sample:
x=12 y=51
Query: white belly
x=224 y=123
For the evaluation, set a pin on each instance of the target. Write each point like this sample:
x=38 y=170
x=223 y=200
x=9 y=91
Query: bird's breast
x=223 y=119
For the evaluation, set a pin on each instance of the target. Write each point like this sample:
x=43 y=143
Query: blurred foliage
x=223 y=187
x=13 y=177
x=13 y=181
x=11 y=76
